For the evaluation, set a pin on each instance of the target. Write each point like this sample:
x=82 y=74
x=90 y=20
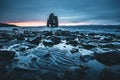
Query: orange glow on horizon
x=43 y=23
x=29 y=23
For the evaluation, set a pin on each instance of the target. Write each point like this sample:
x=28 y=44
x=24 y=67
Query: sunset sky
x=69 y=12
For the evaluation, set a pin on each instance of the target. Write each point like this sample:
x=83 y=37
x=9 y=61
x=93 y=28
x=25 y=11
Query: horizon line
x=43 y=23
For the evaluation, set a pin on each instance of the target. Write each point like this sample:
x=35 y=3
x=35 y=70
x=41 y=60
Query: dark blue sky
x=68 y=11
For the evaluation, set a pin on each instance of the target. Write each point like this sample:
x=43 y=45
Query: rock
x=86 y=58
x=56 y=40
x=6 y=36
x=1 y=46
x=20 y=37
x=108 y=45
x=6 y=55
x=108 y=58
x=46 y=55
x=74 y=73
x=62 y=33
x=4 y=74
x=74 y=50
x=48 y=43
x=91 y=34
x=30 y=33
x=34 y=59
x=36 y=40
x=88 y=46
x=21 y=47
x=47 y=33
x=72 y=37
x=50 y=75
x=24 y=74
x=52 y=21
x=73 y=42
x=110 y=73
x=106 y=39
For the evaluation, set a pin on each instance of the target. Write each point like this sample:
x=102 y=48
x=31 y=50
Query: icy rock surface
x=58 y=54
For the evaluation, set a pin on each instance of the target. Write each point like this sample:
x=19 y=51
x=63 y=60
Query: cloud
x=106 y=11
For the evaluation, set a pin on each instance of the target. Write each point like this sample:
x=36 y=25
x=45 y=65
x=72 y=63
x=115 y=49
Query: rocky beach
x=62 y=53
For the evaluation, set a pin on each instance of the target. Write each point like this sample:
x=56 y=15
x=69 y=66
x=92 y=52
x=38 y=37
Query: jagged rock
x=21 y=47
x=6 y=36
x=56 y=40
x=6 y=55
x=73 y=42
x=72 y=37
x=4 y=74
x=86 y=58
x=24 y=74
x=106 y=39
x=91 y=34
x=74 y=50
x=47 y=33
x=110 y=73
x=46 y=55
x=108 y=58
x=74 y=73
x=20 y=37
x=49 y=43
x=50 y=75
x=36 y=40
x=62 y=33
x=88 y=46
x=109 y=45
x=30 y=33
x=1 y=46
x=52 y=21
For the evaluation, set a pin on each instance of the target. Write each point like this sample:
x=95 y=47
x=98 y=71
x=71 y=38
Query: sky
x=69 y=12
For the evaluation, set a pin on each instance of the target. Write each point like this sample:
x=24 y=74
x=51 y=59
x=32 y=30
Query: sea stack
x=52 y=21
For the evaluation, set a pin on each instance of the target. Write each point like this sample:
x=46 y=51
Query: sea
x=110 y=29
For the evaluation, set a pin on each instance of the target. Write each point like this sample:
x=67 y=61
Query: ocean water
x=112 y=29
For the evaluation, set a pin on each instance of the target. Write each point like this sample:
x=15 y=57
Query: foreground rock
x=24 y=74
x=109 y=58
x=6 y=56
x=111 y=73
x=74 y=73
x=36 y=40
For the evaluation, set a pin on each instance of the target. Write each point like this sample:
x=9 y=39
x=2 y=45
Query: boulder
x=62 y=33
x=74 y=73
x=110 y=73
x=47 y=33
x=36 y=40
x=56 y=40
x=72 y=37
x=20 y=37
x=88 y=46
x=74 y=50
x=1 y=46
x=4 y=73
x=24 y=74
x=73 y=42
x=86 y=58
x=48 y=43
x=108 y=45
x=6 y=55
x=6 y=36
x=108 y=58
x=50 y=75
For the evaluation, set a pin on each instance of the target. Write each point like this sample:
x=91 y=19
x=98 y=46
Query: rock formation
x=52 y=21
